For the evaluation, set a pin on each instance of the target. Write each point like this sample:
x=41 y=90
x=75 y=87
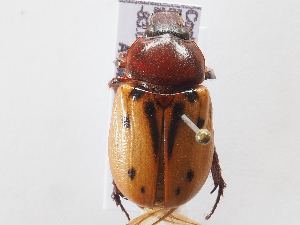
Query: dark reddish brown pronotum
x=159 y=105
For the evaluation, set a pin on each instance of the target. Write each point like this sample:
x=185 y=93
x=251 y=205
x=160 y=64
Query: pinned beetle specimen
x=161 y=140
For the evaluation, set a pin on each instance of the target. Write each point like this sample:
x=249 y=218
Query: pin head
x=203 y=136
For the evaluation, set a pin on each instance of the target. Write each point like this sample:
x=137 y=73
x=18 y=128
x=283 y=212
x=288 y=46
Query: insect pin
x=161 y=138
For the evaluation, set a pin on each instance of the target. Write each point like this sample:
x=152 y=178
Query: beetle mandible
x=159 y=104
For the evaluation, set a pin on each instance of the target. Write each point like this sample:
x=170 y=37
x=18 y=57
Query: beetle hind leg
x=156 y=216
x=176 y=218
x=145 y=217
x=218 y=182
x=116 y=196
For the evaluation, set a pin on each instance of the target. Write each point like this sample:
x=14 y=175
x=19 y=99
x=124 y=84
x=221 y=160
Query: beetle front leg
x=218 y=181
x=116 y=196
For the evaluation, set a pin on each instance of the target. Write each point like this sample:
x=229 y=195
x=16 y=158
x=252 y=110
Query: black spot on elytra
x=190 y=175
x=177 y=191
x=200 y=122
x=136 y=93
x=210 y=111
x=131 y=173
x=151 y=116
x=126 y=122
x=143 y=189
x=176 y=117
x=192 y=95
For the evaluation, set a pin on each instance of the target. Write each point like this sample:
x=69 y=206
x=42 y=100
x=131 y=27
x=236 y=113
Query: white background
x=55 y=61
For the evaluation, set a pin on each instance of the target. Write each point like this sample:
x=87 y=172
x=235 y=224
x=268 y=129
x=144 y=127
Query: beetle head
x=167 y=23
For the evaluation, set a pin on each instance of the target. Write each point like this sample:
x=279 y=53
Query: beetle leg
x=144 y=217
x=116 y=197
x=178 y=219
x=218 y=181
x=166 y=215
x=160 y=215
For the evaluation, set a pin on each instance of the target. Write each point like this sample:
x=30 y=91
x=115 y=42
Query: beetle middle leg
x=116 y=196
x=218 y=181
